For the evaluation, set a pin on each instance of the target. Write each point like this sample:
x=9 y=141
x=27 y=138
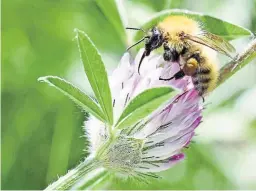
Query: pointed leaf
x=96 y=73
x=75 y=94
x=110 y=10
x=216 y=26
x=144 y=104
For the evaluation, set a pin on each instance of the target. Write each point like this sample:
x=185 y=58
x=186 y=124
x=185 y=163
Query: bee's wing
x=213 y=41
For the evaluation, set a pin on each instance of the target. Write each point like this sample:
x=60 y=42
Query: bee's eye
x=155 y=30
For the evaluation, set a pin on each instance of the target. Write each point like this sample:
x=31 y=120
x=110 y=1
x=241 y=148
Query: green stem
x=103 y=148
x=97 y=178
x=73 y=177
x=239 y=62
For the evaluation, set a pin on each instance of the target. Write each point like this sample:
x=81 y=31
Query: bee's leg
x=169 y=54
x=180 y=74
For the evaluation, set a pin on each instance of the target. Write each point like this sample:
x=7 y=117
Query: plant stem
x=94 y=181
x=239 y=62
x=70 y=180
x=87 y=174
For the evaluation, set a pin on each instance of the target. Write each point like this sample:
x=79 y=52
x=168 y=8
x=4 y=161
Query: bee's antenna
x=135 y=44
x=144 y=54
x=142 y=57
x=137 y=29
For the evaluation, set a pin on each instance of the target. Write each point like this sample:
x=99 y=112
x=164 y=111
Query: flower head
x=155 y=143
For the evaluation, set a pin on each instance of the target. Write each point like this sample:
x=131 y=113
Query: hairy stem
x=239 y=62
x=73 y=177
x=94 y=181
x=86 y=175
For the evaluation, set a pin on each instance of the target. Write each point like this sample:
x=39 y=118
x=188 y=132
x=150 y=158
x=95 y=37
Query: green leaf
x=110 y=10
x=216 y=26
x=96 y=73
x=144 y=104
x=156 y=5
x=75 y=94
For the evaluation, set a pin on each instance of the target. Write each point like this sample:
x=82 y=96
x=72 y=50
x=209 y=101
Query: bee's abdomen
x=204 y=80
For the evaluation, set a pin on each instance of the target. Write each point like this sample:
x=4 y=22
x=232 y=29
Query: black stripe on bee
x=205 y=80
x=184 y=50
x=203 y=70
x=201 y=79
x=195 y=81
x=196 y=56
x=201 y=88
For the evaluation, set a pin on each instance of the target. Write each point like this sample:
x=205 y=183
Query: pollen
x=190 y=67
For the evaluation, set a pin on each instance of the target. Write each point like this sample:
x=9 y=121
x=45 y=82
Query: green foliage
x=41 y=134
x=75 y=94
x=96 y=73
x=156 y=5
x=109 y=9
x=160 y=5
x=216 y=26
x=144 y=104
x=140 y=107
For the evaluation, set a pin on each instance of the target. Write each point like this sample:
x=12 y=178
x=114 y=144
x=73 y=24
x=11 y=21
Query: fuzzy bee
x=184 y=41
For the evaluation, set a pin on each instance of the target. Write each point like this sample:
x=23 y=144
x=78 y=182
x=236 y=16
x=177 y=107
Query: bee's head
x=153 y=40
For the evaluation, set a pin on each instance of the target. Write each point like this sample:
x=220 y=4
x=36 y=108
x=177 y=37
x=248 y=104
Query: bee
x=184 y=41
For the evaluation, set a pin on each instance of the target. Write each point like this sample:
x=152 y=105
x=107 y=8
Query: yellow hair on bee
x=175 y=24
x=211 y=62
x=172 y=26
x=206 y=77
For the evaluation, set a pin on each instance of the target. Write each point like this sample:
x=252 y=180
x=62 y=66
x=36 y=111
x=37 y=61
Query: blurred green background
x=42 y=130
